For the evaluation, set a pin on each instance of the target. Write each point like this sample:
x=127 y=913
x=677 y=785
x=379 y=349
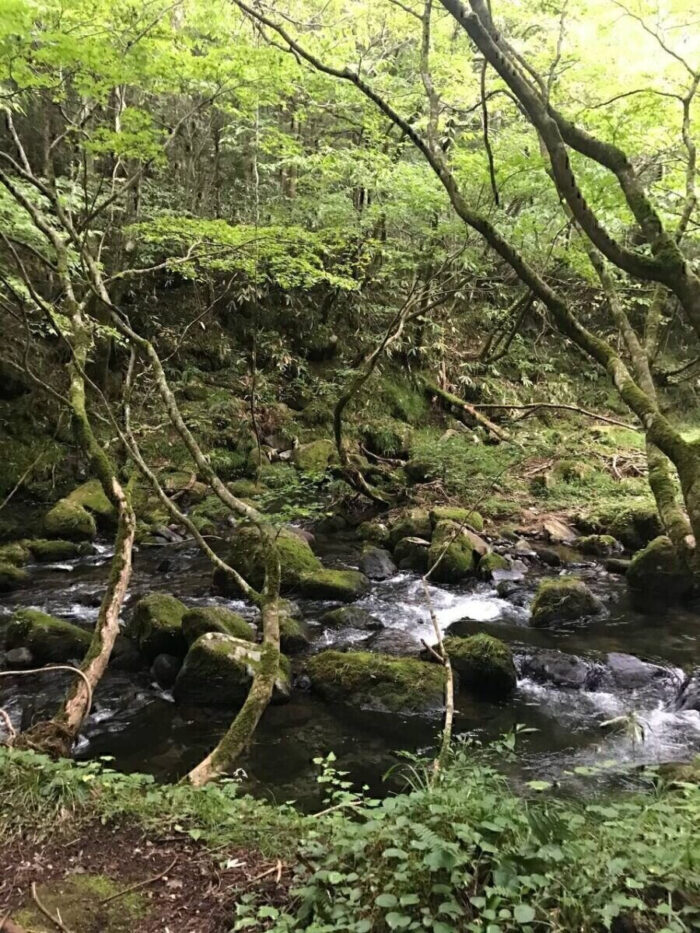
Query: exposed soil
x=196 y=895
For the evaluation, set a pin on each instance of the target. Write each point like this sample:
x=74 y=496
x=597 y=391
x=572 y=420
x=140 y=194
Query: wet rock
x=375 y=681
x=247 y=552
x=125 y=655
x=549 y=666
x=47 y=638
x=377 y=564
x=167 y=533
x=448 y=513
x=396 y=642
x=412 y=554
x=165 y=669
x=563 y=599
x=629 y=672
x=548 y=556
x=19 y=659
x=689 y=693
x=293 y=635
x=342 y=585
x=617 y=565
x=453 y=547
x=598 y=545
x=351 y=617
x=202 y=619
x=156 y=626
x=657 y=573
x=12 y=578
x=375 y=532
x=219 y=669
x=491 y=564
x=315 y=457
x=484 y=664
x=46 y=551
x=414 y=523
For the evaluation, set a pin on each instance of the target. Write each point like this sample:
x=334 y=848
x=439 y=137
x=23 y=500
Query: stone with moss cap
x=658 y=573
x=345 y=586
x=48 y=638
x=449 y=513
x=563 y=599
x=484 y=664
x=246 y=554
x=45 y=550
x=598 y=545
x=15 y=553
x=377 y=681
x=452 y=552
x=411 y=553
x=315 y=457
x=219 y=669
x=70 y=521
x=293 y=635
x=156 y=626
x=203 y=619
x=414 y=523
x=12 y=577
x=491 y=563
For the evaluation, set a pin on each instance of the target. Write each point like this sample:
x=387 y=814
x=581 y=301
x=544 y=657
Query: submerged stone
x=375 y=681
x=202 y=619
x=48 y=639
x=549 y=666
x=351 y=617
x=219 y=669
x=156 y=625
x=562 y=599
x=484 y=664
x=656 y=572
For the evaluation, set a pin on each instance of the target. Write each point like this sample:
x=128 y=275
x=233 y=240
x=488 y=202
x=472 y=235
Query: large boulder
x=49 y=639
x=563 y=599
x=491 y=564
x=598 y=545
x=12 y=577
x=375 y=681
x=246 y=554
x=377 y=564
x=315 y=457
x=411 y=553
x=78 y=516
x=343 y=586
x=657 y=573
x=219 y=669
x=156 y=626
x=45 y=550
x=629 y=672
x=202 y=619
x=452 y=553
x=484 y=664
x=635 y=526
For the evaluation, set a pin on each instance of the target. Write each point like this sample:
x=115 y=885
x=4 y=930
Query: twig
x=47 y=913
x=582 y=411
x=139 y=884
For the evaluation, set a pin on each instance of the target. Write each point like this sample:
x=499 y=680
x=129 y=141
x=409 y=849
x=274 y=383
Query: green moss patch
x=11 y=577
x=342 y=585
x=452 y=552
x=563 y=599
x=81 y=902
x=657 y=572
x=156 y=626
x=246 y=554
x=48 y=638
x=484 y=664
x=202 y=619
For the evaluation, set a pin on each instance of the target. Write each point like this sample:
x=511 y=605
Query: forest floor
x=114 y=879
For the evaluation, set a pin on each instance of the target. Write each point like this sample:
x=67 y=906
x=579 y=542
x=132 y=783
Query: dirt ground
x=187 y=890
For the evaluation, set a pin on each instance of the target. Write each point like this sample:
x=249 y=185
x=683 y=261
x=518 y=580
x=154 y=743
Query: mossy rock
x=156 y=626
x=562 y=599
x=375 y=681
x=246 y=489
x=46 y=550
x=315 y=457
x=484 y=664
x=491 y=563
x=203 y=619
x=572 y=471
x=246 y=554
x=350 y=617
x=16 y=553
x=342 y=585
x=635 y=526
x=293 y=635
x=411 y=553
x=81 y=901
x=448 y=513
x=657 y=572
x=454 y=550
x=374 y=533
x=420 y=470
x=219 y=669
x=70 y=521
x=12 y=577
x=230 y=464
x=598 y=545
x=390 y=439
x=184 y=486
x=415 y=523
x=48 y=638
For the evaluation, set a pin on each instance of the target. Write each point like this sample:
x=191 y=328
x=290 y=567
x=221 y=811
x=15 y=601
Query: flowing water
x=137 y=723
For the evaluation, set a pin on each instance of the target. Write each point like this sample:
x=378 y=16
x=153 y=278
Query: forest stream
x=565 y=699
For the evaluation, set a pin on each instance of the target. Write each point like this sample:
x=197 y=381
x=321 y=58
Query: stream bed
x=137 y=724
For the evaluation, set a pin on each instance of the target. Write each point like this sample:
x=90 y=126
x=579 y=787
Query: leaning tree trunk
x=221 y=760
